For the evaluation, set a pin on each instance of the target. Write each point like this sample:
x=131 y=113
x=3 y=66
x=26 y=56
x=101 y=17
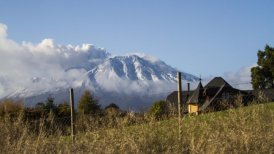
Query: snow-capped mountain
x=134 y=68
x=35 y=71
x=132 y=82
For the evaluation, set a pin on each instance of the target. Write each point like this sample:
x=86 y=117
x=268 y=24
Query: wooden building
x=206 y=98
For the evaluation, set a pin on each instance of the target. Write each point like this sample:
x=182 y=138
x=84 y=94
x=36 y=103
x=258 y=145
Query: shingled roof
x=217 y=82
x=197 y=95
x=173 y=97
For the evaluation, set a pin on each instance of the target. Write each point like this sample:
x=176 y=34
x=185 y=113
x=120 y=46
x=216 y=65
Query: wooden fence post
x=179 y=102
x=72 y=115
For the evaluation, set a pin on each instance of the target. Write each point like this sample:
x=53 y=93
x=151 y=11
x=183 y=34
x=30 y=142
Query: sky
x=211 y=38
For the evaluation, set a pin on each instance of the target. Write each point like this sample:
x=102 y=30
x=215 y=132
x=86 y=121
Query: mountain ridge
x=129 y=79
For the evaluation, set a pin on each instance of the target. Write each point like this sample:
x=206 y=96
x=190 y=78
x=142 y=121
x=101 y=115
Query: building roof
x=197 y=95
x=217 y=82
x=173 y=97
x=205 y=96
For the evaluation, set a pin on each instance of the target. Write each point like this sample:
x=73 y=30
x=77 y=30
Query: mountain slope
x=131 y=81
x=36 y=70
x=135 y=68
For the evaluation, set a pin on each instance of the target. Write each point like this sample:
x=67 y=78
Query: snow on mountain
x=137 y=68
x=35 y=71
x=132 y=82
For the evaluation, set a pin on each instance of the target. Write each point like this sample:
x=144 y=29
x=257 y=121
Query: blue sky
x=199 y=37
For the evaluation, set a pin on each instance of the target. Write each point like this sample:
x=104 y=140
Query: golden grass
x=243 y=130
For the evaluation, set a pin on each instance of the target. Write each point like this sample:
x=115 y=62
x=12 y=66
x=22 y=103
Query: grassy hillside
x=244 y=130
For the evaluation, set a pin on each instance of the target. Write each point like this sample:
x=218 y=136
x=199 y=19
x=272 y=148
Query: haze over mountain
x=35 y=71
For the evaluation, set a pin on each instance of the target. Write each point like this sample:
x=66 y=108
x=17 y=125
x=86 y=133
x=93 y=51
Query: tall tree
x=87 y=104
x=263 y=74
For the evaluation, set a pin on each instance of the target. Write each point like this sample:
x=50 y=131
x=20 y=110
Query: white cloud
x=3 y=30
x=149 y=58
x=29 y=68
x=241 y=78
x=45 y=65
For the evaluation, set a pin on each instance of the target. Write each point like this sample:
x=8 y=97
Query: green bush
x=158 y=110
x=87 y=104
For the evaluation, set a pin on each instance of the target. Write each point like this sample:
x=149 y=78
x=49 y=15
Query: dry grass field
x=243 y=130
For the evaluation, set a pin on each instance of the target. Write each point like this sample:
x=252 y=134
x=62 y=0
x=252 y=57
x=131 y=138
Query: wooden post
x=72 y=115
x=179 y=101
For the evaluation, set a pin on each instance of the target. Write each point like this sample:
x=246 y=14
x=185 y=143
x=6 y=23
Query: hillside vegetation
x=243 y=130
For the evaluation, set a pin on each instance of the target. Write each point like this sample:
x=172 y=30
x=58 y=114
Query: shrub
x=9 y=106
x=158 y=110
x=87 y=104
x=112 y=109
x=63 y=109
x=112 y=105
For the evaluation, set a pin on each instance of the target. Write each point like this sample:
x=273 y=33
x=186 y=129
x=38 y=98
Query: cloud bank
x=29 y=68
x=43 y=66
x=241 y=78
